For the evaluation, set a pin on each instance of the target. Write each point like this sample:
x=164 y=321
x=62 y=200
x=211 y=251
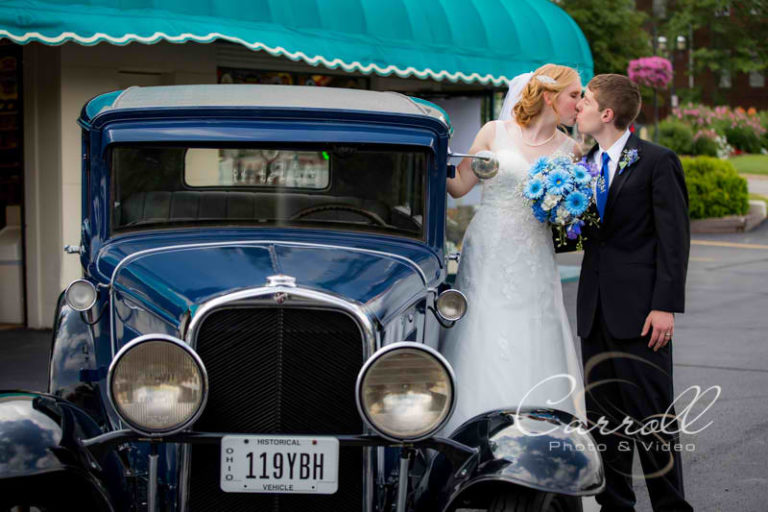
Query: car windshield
x=363 y=188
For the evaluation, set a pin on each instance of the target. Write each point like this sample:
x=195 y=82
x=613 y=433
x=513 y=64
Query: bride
x=516 y=333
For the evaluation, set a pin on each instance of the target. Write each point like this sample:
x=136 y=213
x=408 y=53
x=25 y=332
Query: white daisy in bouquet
x=560 y=193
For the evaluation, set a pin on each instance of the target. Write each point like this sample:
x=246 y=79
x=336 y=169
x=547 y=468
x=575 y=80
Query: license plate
x=280 y=464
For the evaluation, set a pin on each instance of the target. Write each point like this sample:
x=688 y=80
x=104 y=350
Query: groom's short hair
x=618 y=93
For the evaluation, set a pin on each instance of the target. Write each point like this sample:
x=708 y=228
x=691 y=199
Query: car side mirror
x=485 y=165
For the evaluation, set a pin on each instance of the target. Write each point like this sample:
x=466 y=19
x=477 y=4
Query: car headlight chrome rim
x=157 y=385
x=406 y=392
x=80 y=295
x=452 y=305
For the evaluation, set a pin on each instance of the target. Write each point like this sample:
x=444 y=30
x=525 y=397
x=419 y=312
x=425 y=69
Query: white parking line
x=713 y=243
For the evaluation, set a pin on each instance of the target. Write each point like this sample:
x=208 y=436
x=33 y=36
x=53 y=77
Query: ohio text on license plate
x=279 y=464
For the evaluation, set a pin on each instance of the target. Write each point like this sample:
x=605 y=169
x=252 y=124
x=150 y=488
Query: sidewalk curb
x=732 y=223
x=569 y=273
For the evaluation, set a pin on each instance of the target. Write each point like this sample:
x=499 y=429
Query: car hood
x=174 y=279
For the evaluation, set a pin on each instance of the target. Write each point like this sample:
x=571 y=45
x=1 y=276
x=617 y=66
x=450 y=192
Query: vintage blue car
x=256 y=329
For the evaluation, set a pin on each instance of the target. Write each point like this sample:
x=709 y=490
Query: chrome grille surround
x=299 y=297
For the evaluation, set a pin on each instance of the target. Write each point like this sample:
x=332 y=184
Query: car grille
x=283 y=371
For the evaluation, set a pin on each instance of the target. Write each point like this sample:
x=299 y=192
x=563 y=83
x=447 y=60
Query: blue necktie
x=602 y=192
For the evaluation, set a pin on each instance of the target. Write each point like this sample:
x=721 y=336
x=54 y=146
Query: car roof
x=261 y=96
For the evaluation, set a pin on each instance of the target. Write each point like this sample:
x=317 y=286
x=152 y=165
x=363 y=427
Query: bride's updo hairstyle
x=548 y=78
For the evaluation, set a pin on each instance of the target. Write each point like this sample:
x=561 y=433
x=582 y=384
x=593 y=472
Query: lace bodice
x=503 y=191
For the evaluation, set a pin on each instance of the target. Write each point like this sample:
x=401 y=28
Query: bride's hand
x=465 y=179
x=577 y=153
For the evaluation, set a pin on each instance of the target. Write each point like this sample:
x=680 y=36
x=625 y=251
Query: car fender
x=75 y=372
x=530 y=448
x=40 y=445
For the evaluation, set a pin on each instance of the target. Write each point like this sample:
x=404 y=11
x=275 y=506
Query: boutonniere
x=628 y=157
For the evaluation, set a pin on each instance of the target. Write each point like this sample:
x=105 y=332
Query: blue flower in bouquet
x=574 y=230
x=576 y=203
x=580 y=175
x=562 y=162
x=538 y=166
x=534 y=189
x=559 y=182
x=539 y=212
x=589 y=166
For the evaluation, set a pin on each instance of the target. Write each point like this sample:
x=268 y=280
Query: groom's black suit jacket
x=636 y=260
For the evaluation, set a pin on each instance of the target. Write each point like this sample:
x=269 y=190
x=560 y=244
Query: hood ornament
x=281 y=280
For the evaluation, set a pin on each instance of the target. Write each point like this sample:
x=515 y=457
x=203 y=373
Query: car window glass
x=371 y=188
x=206 y=167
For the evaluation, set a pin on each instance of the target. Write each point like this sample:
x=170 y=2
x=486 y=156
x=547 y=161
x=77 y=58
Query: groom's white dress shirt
x=615 y=153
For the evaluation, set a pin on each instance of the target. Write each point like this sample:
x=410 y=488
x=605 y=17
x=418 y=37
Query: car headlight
x=80 y=295
x=157 y=384
x=452 y=305
x=405 y=391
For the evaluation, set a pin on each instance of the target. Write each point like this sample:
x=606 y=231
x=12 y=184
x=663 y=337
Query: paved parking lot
x=24 y=359
x=721 y=340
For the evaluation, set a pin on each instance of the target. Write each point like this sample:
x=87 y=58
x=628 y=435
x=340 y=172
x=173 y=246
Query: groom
x=632 y=282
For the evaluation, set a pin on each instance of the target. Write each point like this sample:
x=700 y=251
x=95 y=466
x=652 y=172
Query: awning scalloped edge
x=277 y=51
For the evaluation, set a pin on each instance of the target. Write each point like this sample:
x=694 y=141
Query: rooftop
x=267 y=96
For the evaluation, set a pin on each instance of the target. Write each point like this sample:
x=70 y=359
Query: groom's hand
x=663 y=325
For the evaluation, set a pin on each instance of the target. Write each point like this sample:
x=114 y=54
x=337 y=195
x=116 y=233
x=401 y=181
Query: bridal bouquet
x=560 y=192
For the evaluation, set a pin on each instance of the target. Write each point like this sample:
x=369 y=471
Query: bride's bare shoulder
x=489 y=128
x=486 y=135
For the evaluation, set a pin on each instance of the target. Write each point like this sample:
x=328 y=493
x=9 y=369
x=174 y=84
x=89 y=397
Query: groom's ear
x=607 y=115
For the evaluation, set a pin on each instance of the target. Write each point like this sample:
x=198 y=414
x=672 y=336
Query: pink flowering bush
x=742 y=129
x=718 y=118
x=696 y=116
x=654 y=72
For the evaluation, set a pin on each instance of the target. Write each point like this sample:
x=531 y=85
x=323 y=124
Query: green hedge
x=744 y=139
x=704 y=146
x=764 y=121
x=677 y=136
x=715 y=189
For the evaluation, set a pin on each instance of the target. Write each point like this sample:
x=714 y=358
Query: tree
x=736 y=33
x=614 y=30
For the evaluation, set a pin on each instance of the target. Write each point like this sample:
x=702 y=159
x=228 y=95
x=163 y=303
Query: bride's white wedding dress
x=516 y=333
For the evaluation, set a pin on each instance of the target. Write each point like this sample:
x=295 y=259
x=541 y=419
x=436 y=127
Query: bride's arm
x=465 y=179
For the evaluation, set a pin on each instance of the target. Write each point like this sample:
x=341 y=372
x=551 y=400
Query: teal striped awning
x=484 y=41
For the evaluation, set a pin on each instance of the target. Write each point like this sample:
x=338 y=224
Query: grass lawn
x=750 y=164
